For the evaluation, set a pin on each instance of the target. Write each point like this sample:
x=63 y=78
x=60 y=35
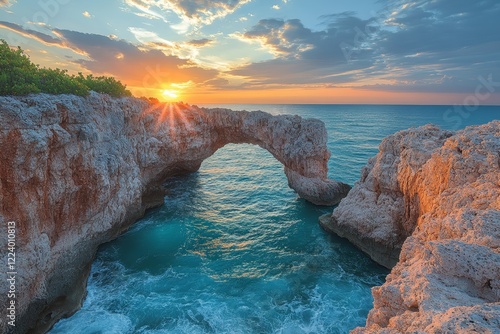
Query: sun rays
x=176 y=118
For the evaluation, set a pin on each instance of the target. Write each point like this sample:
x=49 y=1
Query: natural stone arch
x=77 y=171
x=193 y=134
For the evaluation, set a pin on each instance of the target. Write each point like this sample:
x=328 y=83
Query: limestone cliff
x=75 y=172
x=429 y=203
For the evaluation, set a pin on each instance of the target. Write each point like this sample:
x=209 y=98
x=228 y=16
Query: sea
x=234 y=250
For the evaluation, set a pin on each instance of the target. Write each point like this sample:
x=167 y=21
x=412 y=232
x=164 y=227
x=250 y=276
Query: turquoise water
x=233 y=250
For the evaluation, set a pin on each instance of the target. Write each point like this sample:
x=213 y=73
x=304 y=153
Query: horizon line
x=347 y=104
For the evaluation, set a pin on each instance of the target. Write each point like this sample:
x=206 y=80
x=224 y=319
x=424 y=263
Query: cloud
x=218 y=82
x=145 y=9
x=458 y=38
x=184 y=50
x=7 y=3
x=292 y=40
x=438 y=46
x=103 y=55
x=303 y=55
x=86 y=14
x=442 y=26
x=277 y=7
x=205 y=11
x=200 y=42
x=190 y=12
x=135 y=66
x=41 y=37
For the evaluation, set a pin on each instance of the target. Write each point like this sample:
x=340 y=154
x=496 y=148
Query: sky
x=271 y=51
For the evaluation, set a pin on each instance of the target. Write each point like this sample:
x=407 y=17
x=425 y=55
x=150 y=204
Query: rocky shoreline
x=428 y=206
x=76 y=172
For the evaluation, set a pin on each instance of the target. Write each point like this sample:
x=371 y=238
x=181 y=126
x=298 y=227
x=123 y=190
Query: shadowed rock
x=75 y=172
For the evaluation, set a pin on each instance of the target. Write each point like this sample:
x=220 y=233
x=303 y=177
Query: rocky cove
x=80 y=171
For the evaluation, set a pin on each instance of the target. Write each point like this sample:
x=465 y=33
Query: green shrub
x=59 y=82
x=19 y=76
x=107 y=85
x=17 y=72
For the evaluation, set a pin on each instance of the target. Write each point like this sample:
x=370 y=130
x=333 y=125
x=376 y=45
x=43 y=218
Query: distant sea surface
x=234 y=250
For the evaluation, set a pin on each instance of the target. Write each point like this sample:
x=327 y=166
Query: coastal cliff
x=75 y=172
x=428 y=205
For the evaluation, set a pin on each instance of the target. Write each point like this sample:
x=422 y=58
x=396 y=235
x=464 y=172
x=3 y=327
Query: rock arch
x=77 y=171
x=193 y=134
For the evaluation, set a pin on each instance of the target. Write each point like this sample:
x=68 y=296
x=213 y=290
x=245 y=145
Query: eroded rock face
x=382 y=209
x=436 y=196
x=75 y=172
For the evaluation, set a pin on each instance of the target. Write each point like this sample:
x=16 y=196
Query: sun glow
x=170 y=94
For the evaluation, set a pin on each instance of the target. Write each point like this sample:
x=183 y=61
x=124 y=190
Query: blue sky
x=359 y=51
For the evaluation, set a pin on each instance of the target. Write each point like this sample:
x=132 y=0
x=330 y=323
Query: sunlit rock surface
x=433 y=198
x=75 y=172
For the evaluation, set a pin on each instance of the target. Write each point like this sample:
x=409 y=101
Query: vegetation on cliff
x=19 y=76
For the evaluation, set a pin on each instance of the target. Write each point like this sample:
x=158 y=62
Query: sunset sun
x=170 y=94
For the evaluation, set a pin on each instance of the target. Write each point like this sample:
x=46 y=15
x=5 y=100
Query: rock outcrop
x=75 y=172
x=429 y=203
